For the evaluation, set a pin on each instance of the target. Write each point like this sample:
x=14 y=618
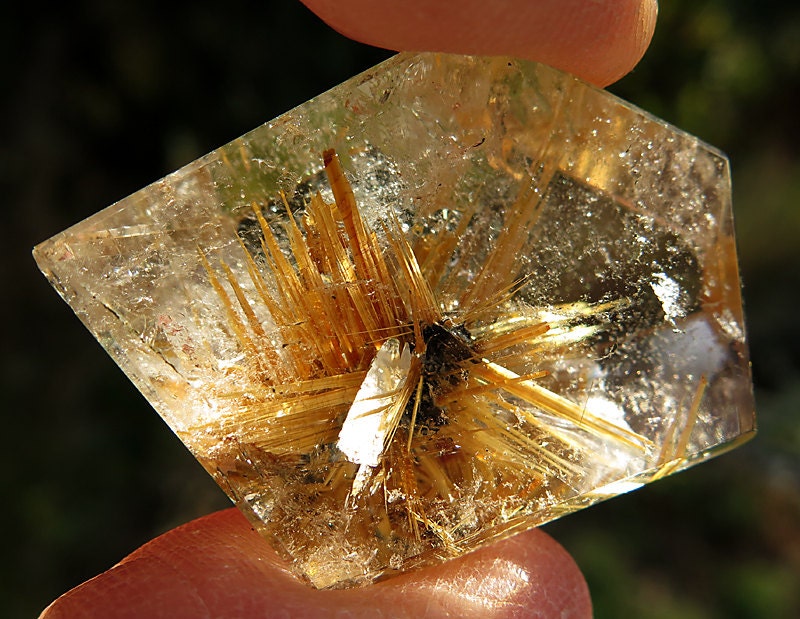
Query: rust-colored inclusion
x=444 y=447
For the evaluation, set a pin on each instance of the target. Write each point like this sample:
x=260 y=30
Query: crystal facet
x=448 y=300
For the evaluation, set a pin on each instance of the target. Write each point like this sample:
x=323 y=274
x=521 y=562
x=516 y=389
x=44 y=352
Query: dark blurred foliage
x=101 y=98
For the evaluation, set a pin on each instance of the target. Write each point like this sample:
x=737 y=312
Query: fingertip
x=597 y=40
x=603 y=41
x=630 y=37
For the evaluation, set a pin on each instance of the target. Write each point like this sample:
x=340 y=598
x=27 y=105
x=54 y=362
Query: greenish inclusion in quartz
x=450 y=299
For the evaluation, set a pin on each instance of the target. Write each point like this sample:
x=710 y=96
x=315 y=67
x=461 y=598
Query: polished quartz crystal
x=450 y=299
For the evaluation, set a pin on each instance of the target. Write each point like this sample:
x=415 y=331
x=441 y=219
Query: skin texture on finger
x=597 y=40
x=218 y=567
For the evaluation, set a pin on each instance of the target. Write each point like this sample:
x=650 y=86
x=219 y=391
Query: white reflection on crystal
x=374 y=414
x=669 y=293
x=696 y=350
x=612 y=460
x=616 y=488
x=607 y=409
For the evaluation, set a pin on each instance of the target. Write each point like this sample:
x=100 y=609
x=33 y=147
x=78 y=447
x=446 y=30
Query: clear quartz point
x=448 y=300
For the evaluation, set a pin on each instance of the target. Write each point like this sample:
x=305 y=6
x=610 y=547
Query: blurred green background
x=101 y=98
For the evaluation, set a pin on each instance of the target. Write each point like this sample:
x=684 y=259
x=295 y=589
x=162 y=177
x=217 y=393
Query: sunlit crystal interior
x=450 y=299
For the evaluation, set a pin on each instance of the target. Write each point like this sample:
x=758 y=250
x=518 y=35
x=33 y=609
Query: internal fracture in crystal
x=450 y=299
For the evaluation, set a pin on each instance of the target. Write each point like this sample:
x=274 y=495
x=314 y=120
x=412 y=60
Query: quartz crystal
x=448 y=300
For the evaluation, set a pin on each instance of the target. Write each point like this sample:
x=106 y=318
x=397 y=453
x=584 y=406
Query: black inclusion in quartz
x=447 y=349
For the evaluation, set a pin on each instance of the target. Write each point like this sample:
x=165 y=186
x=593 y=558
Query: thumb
x=217 y=566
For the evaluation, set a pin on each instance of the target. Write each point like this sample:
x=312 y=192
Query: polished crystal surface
x=448 y=300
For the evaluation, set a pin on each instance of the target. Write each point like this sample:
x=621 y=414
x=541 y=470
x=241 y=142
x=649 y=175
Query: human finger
x=597 y=40
x=218 y=567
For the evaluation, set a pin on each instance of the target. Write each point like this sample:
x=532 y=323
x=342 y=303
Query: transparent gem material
x=450 y=299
